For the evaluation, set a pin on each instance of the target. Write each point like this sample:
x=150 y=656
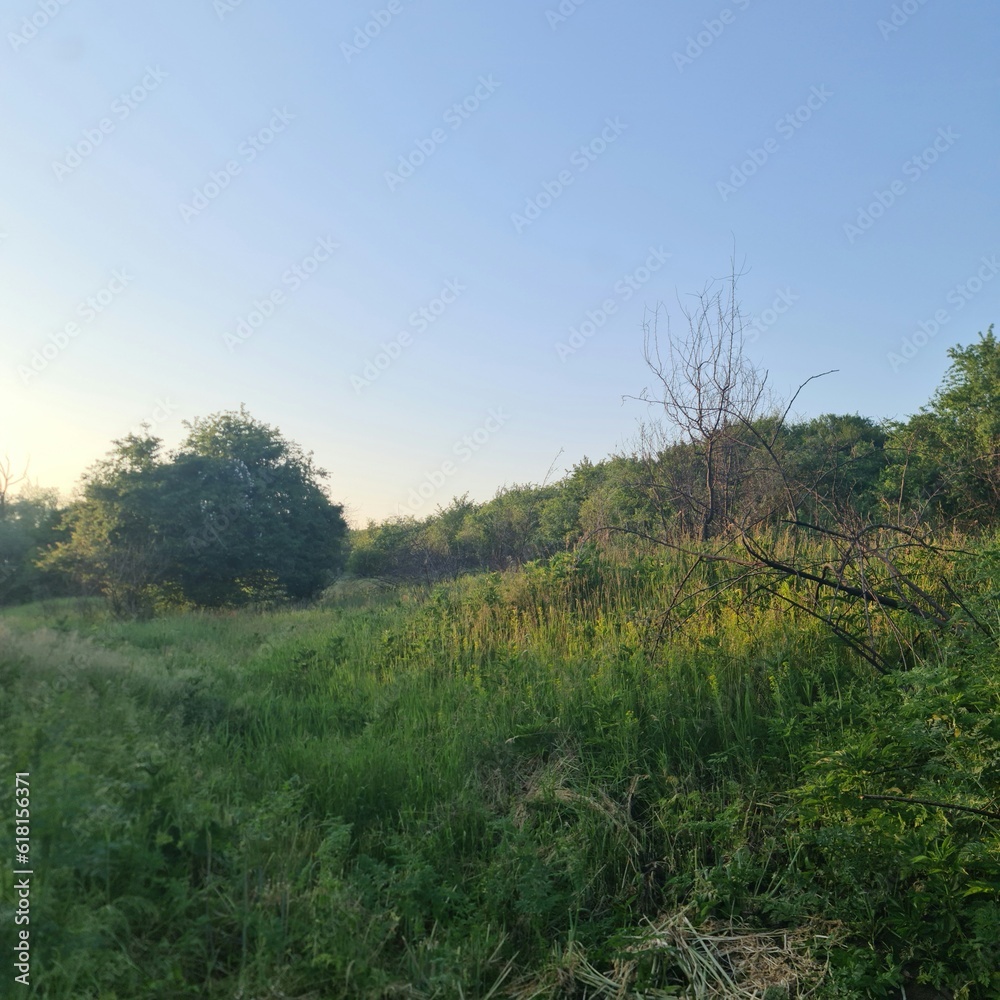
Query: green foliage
x=582 y=766
x=841 y=458
x=448 y=791
x=29 y=524
x=115 y=542
x=251 y=507
x=392 y=548
x=888 y=831
x=236 y=515
x=520 y=524
x=945 y=457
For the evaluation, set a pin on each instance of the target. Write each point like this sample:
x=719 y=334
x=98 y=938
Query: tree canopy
x=947 y=457
x=236 y=513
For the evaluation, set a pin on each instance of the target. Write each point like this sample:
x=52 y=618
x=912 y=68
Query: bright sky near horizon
x=421 y=237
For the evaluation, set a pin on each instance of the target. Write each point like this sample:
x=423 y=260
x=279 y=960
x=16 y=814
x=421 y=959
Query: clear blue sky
x=253 y=136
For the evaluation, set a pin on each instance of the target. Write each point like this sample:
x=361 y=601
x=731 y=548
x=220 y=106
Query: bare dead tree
x=8 y=480
x=715 y=467
x=709 y=392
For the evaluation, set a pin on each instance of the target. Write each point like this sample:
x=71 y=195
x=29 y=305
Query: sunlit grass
x=484 y=786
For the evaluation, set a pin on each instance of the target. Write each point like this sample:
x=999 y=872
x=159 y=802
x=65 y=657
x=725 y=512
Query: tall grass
x=500 y=786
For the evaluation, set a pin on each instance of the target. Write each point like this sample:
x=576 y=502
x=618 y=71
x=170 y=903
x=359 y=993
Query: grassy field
x=498 y=787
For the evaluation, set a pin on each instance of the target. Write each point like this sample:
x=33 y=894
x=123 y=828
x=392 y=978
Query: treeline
x=940 y=466
x=138 y=525
x=238 y=514
x=845 y=457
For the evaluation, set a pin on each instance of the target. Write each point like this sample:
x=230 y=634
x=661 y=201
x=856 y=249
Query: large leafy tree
x=236 y=514
x=250 y=513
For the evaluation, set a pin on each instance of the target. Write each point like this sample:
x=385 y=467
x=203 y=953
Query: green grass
x=495 y=788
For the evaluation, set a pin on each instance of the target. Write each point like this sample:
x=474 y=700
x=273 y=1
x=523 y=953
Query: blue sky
x=438 y=194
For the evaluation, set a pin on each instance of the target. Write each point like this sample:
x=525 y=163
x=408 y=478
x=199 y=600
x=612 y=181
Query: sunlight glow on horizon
x=182 y=169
